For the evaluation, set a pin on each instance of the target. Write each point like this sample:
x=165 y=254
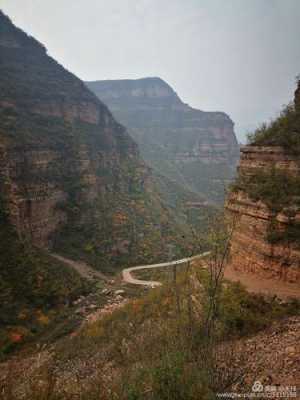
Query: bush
x=243 y=313
x=34 y=288
x=274 y=188
x=284 y=131
x=281 y=193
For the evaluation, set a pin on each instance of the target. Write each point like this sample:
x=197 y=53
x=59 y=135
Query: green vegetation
x=284 y=131
x=34 y=288
x=126 y=222
x=243 y=313
x=157 y=348
x=164 y=275
x=64 y=144
x=281 y=193
x=131 y=228
x=291 y=234
x=274 y=188
x=169 y=137
x=118 y=218
x=177 y=342
x=278 y=189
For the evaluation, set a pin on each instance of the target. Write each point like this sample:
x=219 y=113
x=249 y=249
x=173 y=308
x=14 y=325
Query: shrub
x=279 y=192
x=284 y=131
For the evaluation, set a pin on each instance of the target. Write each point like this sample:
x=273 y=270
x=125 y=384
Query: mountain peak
x=13 y=37
x=136 y=90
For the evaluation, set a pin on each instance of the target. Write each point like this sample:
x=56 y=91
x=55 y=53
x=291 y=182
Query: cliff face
x=71 y=176
x=251 y=248
x=197 y=149
x=265 y=200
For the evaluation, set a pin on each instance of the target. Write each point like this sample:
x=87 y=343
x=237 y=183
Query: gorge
x=71 y=176
x=71 y=181
x=196 y=149
x=136 y=261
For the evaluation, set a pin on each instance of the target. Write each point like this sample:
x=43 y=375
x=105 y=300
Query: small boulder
x=119 y=292
x=106 y=291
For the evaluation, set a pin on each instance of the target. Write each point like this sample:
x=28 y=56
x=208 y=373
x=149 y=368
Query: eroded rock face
x=70 y=174
x=250 y=249
x=44 y=110
x=263 y=158
x=195 y=148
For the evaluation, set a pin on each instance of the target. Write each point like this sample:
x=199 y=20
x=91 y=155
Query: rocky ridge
x=197 y=149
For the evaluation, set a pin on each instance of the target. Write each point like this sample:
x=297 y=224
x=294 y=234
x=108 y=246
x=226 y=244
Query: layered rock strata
x=71 y=177
x=197 y=149
x=251 y=251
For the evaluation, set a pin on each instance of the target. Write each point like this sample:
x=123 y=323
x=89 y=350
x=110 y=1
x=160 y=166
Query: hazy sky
x=237 y=56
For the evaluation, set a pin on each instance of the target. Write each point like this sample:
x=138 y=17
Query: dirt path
x=82 y=268
x=257 y=284
x=127 y=277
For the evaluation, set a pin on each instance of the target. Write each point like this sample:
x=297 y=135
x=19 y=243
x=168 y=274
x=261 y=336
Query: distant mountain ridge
x=195 y=148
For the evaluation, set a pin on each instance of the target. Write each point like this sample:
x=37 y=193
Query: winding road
x=252 y=283
x=127 y=277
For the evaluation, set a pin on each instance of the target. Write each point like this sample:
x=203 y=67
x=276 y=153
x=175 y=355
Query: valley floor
x=251 y=282
x=269 y=354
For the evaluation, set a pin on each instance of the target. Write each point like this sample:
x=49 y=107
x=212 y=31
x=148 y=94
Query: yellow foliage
x=42 y=318
x=23 y=314
x=120 y=218
x=94 y=330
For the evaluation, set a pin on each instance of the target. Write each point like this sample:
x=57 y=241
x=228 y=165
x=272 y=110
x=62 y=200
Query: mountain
x=196 y=149
x=71 y=181
x=265 y=200
x=73 y=178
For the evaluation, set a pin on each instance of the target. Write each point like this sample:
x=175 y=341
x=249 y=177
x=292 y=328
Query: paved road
x=127 y=277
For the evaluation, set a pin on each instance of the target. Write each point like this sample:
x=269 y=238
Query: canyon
x=71 y=182
x=196 y=149
x=71 y=177
x=119 y=274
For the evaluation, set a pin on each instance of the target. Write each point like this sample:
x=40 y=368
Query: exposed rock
x=272 y=358
x=106 y=291
x=177 y=140
x=70 y=175
x=250 y=249
x=81 y=310
x=120 y=292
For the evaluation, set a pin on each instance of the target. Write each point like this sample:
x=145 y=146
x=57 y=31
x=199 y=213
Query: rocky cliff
x=197 y=149
x=71 y=176
x=265 y=201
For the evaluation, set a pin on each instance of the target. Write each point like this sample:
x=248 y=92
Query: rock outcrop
x=197 y=149
x=71 y=176
x=264 y=202
x=250 y=249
